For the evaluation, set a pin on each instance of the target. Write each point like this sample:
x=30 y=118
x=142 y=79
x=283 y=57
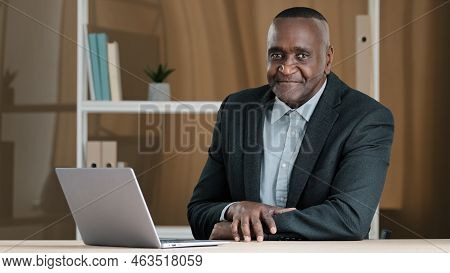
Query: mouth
x=288 y=82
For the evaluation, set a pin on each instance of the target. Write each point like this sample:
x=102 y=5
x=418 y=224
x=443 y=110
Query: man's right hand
x=246 y=213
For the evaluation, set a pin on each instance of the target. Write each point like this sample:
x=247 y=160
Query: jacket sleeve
x=211 y=195
x=355 y=190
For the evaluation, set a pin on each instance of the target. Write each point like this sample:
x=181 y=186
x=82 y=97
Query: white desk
x=378 y=246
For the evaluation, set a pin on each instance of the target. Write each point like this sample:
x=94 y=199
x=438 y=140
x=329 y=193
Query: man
x=304 y=157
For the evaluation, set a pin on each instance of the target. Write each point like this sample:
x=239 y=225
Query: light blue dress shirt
x=284 y=130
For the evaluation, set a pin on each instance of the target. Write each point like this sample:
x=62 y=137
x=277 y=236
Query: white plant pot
x=159 y=91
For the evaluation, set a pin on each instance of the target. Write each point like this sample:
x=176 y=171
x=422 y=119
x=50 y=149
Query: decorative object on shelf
x=158 y=90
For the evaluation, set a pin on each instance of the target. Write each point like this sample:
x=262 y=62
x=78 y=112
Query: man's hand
x=221 y=231
x=245 y=215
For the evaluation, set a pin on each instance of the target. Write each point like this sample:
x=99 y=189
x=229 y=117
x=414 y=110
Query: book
x=88 y=63
x=102 y=43
x=115 y=81
x=136 y=51
x=95 y=65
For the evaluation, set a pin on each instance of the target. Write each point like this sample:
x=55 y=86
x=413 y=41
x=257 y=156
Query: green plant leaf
x=159 y=74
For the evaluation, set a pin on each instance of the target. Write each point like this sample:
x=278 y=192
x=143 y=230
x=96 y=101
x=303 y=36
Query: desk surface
x=252 y=247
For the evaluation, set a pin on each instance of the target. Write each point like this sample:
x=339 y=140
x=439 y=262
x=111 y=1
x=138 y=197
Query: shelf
x=36 y=220
x=162 y=107
x=43 y=108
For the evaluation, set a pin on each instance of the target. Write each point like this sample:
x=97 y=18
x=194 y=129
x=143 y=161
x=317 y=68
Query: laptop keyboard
x=174 y=241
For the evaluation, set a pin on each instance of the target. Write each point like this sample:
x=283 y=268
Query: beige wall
x=29 y=120
x=414 y=84
x=220 y=46
x=29 y=50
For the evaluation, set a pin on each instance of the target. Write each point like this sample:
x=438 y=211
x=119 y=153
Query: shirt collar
x=280 y=108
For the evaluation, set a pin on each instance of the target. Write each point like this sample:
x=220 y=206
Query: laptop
x=109 y=209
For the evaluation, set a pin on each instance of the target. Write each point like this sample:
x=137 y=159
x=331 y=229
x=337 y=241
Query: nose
x=288 y=67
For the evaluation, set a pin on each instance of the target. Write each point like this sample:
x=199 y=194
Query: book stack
x=103 y=68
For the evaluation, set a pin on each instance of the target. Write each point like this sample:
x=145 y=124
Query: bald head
x=320 y=22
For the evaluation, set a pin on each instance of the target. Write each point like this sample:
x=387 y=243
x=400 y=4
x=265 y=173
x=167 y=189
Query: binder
x=109 y=154
x=101 y=154
x=94 y=154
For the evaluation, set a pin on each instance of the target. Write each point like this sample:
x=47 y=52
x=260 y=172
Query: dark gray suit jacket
x=338 y=175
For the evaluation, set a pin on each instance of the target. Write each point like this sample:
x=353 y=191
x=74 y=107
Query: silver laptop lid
x=108 y=207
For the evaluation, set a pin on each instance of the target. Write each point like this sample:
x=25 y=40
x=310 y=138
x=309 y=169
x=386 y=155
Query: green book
x=95 y=65
x=102 y=43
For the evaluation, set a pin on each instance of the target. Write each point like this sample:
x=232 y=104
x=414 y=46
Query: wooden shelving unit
x=85 y=107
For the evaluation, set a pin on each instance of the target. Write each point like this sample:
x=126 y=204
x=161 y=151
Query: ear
x=329 y=59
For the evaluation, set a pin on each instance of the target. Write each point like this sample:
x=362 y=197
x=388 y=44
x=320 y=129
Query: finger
x=282 y=210
x=269 y=222
x=257 y=229
x=245 y=227
x=235 y=230
x=214 y=232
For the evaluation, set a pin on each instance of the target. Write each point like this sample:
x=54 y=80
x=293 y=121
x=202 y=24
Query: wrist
x=229 y=212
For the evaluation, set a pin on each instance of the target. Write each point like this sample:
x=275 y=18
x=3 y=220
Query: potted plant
x=158 y=90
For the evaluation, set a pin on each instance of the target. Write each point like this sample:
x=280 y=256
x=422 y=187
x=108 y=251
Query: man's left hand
x=221 y=231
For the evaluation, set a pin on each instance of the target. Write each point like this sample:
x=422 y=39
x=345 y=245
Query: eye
x=276 y=56
x=302 y=56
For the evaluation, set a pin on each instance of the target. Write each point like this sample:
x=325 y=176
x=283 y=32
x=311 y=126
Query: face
x=299 y=58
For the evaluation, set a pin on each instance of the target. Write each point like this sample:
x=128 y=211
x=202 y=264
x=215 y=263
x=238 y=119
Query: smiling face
x=299 y=58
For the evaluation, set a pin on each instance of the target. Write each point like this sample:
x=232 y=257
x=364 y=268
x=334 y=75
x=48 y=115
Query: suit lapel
x=319 y=127
x=253 y=145
x=316 y=134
